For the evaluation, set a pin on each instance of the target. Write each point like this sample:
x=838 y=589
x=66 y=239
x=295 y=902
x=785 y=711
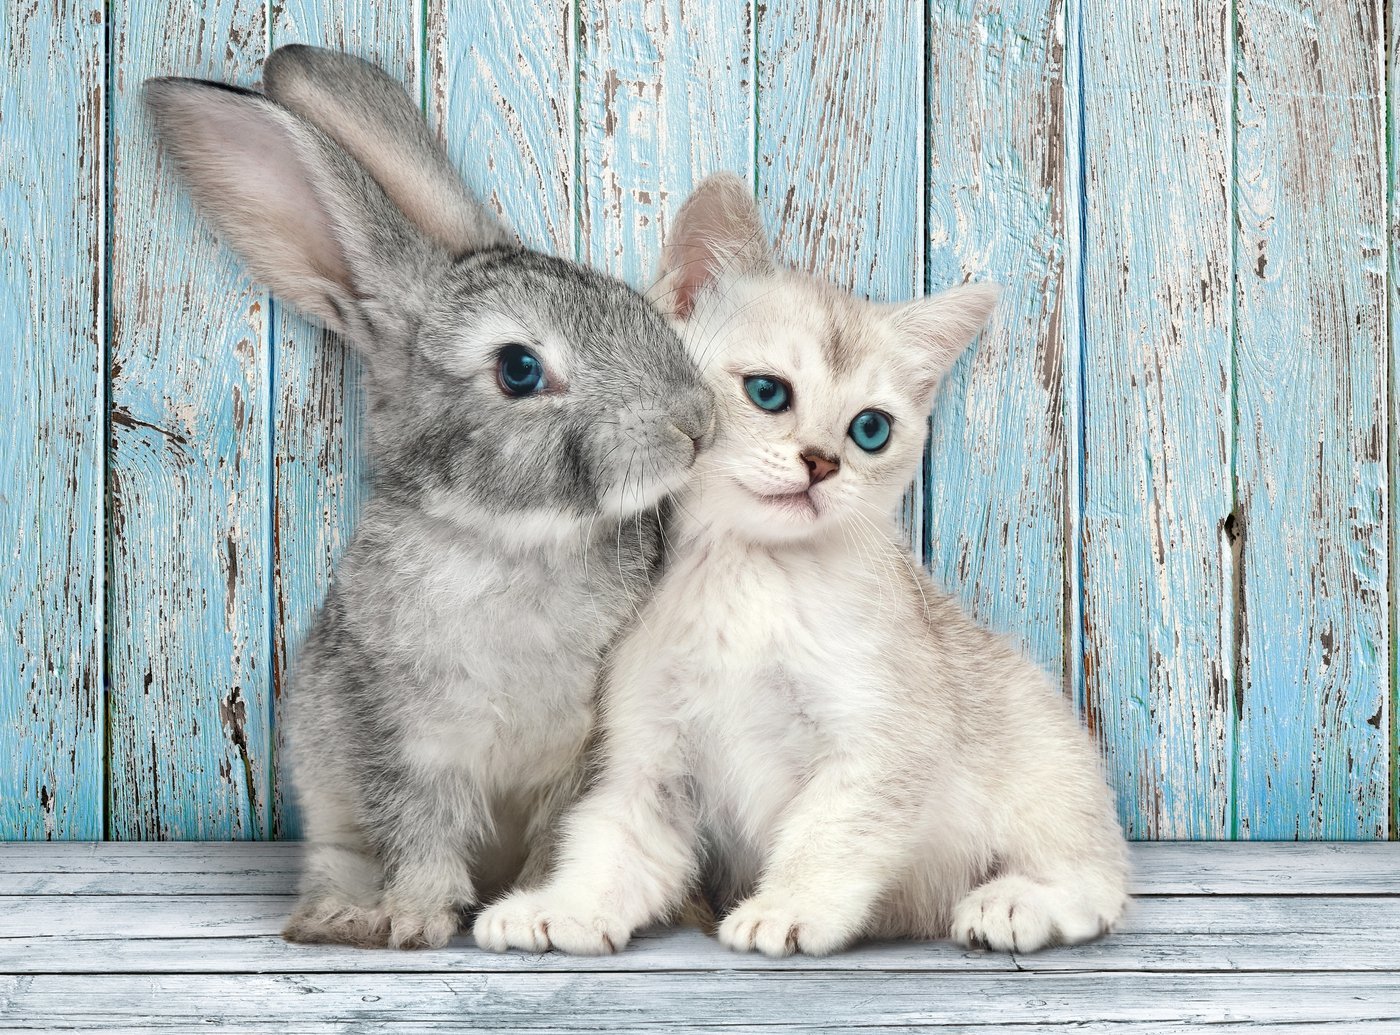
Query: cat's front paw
x=332 y=921
x=1015 y=913
x=779 y=925
x=539 y=921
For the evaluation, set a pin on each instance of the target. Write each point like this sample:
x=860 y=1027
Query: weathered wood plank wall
x=1392 y=68
x=52 y=322
x=998 y=202
x=1312 y=423
x=1165 y=468
x=1154 y=383
x=188 y=653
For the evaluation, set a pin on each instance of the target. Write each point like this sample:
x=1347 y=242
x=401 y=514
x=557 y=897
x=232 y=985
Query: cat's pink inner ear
x=717 y=232
x=687 y=270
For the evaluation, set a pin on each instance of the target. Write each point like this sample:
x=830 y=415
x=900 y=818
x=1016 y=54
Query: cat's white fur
x=800 y=719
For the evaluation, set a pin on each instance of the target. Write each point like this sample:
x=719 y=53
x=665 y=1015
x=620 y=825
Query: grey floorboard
x=1243 y=937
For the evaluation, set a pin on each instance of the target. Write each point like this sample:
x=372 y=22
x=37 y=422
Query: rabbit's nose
x=694 y=436
x=708 y=424
x=698 y=426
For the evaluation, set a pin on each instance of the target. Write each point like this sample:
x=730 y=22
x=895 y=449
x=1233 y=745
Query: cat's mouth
x=800 y=504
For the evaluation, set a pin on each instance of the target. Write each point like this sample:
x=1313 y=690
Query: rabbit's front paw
x=539 y=921
x=778 y=925
x=414 y=926
x=1015 y=913
x=332 y=921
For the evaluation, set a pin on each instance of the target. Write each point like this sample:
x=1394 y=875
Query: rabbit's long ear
x=302 y=215
x=717 y=233
x=371 y=116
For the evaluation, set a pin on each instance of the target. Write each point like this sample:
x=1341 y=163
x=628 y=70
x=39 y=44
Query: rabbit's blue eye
x=768 y=393
x=871 y=430
x=519 y=371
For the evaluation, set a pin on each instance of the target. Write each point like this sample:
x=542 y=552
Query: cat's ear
x=718 y=233
x=938 y=329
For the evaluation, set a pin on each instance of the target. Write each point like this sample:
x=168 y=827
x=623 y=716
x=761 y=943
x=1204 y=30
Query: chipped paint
x=52 y=314
x=189 y=394
x=1165 y=468
x=1312 y=387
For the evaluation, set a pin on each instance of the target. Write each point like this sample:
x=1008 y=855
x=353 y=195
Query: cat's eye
x=519 y=371
x=871 y=430
x=768 y=393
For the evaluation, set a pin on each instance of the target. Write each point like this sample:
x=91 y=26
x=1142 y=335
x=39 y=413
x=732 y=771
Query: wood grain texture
x=1265 y=868
x=499 y=85
x=239 y=934
x=52 y=323
x=319 y=468
x=188 y=635
x=665 y=98
x=839 y=151
x=1175 y=868
x=1166 y=465
x=1072 y=317
x=1155 y=375
x=1252 y=937
x=1392 y=55
x=1311 y=282
x=750 y=1001
x=996 y=211
x=839 y=145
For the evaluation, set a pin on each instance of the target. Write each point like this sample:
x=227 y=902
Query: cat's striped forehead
x=847 y=335
x=802 y=328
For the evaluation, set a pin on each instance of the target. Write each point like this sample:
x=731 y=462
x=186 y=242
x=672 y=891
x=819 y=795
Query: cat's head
x=823 y=397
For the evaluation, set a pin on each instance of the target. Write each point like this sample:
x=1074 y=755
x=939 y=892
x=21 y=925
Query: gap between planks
x=270 y=868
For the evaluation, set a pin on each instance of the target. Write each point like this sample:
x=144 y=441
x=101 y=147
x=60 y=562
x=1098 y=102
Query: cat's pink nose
x=820 y=467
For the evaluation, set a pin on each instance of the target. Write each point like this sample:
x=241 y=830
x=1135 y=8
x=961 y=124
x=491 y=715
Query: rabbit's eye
x=871 y=430
x=768 y=393
x=519 y=371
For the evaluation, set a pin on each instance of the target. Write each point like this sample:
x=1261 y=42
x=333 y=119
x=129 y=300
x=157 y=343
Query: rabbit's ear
x=717 y=233
x=371 y=116
x=302 y=215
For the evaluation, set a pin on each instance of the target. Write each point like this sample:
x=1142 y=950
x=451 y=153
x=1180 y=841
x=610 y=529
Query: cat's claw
x=537 y=922
x=778 y=926
x=515 y=922
x=1017 y=914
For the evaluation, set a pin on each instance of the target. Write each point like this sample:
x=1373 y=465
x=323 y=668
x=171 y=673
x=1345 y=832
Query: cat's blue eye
x=871 y=430
x=768 y=393
x=519 y=371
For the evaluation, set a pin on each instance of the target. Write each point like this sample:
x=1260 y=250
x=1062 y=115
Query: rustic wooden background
x=1166 y=468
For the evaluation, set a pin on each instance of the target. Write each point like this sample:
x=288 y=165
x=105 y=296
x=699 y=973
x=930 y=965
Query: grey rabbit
x=528 y=418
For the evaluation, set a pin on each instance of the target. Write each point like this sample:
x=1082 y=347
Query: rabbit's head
x=503 y=383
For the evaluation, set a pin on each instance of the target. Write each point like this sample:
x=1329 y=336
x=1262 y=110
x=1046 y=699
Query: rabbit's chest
x=505 y=658
x=509 y=629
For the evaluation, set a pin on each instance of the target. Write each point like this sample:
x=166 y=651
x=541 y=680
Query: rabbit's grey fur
x=440 y=705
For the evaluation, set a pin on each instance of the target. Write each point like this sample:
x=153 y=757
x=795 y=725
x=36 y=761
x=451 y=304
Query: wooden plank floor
x=179 y=937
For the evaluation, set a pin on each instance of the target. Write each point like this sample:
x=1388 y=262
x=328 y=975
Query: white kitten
x=799 y=715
